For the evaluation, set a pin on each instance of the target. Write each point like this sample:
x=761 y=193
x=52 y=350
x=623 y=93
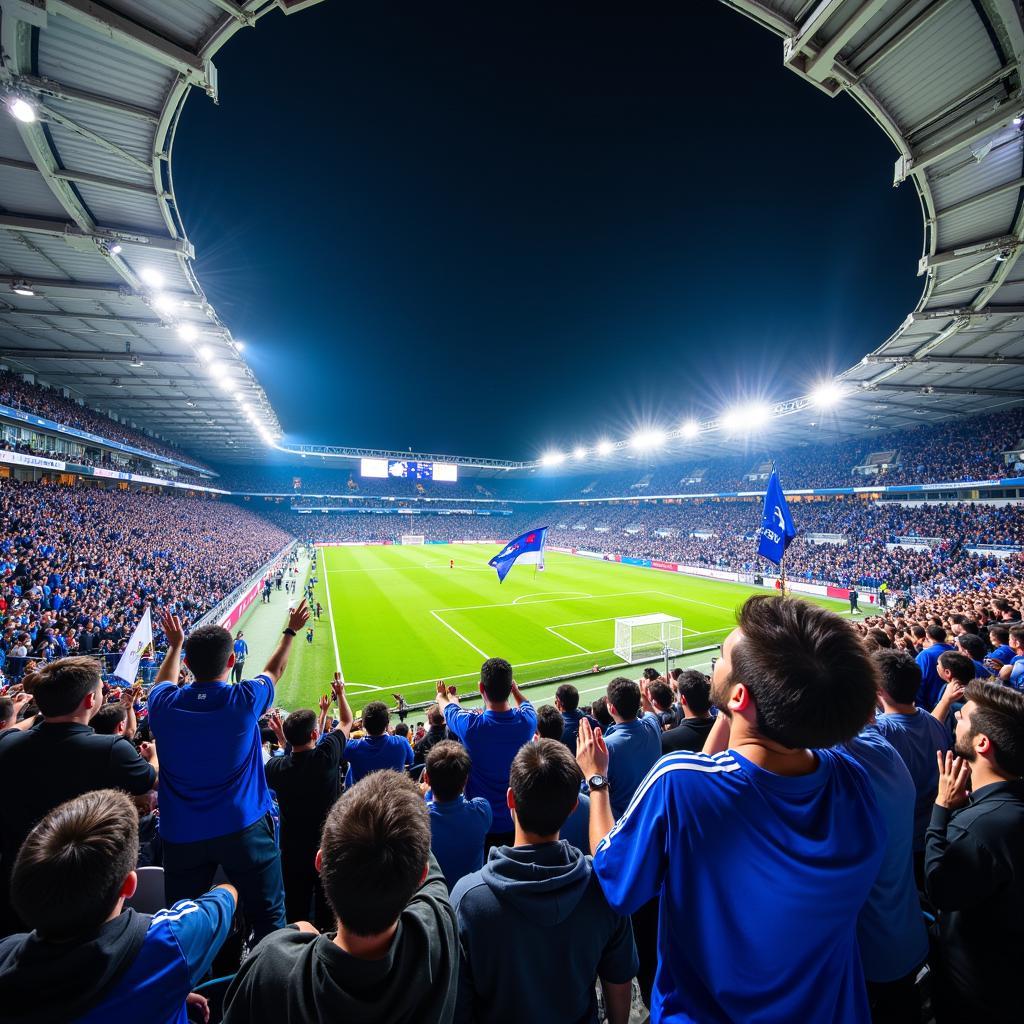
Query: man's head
x=376 y=718
x=435 y=717
x=1017 y=639
x=110 y=720
x=68 y=686
x=544 y=787
x=623 y=699
x=797 y=674
x=549 y=723
x=567 y=697
x=300 y=727
x=971 y=645
x=209 y=653
x=76 y=864
x=8 y=714
x=448 y=767
x=402 y=730
x=661 y=696
x=496 y=680
x=373 y=853
x=998 y=635
x=899 y=676
x=955 y=667
x=650 y=674
x=936 y=634
x=695 y=691
x=599 y=709
x=991 y=726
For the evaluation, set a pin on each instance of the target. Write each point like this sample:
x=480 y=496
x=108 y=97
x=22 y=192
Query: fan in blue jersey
x=763 y=850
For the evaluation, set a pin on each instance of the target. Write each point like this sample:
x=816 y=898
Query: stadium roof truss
x=87 y=208
x=88 y=216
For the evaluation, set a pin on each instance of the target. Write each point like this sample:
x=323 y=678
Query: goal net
x=413 y=538
x=644 y=637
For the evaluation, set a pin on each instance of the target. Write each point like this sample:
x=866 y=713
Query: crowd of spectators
x=78 y=565
x=17 y=393
x=542 y=863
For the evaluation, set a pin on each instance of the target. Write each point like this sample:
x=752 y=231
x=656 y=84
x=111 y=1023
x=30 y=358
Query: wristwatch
x=288 y=631
x=596 y=783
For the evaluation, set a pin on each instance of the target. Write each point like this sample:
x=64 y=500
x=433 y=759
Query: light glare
x=151 y=277
x=605 y=447
x=579 y=452
x=187 y=332
x=691 y=428
x=824 y=396
x=552 y=458
x=22 y=110
x=645 y=440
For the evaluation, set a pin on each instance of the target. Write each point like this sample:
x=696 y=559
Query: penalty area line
x=334 y=631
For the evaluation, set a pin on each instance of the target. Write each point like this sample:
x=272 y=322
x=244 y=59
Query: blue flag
x=777 y=528
x=528 y=548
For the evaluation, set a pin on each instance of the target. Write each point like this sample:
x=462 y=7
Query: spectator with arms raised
x=88 y=959
x=790 y=825
x=493 y=739
x=377 y=750
x=214 y=800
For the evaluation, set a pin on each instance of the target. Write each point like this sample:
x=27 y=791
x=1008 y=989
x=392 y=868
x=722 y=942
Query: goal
x=413 y=538
x=646 y=637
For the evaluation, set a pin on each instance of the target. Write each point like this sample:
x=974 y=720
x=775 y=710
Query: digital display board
x=409 y=469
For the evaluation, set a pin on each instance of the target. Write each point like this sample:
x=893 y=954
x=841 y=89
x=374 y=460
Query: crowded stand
x=17 y=393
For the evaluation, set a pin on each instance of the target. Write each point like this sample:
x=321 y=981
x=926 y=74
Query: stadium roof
x=87 y=210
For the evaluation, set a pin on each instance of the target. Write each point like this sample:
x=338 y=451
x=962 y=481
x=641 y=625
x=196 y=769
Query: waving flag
x=527 y=548
x=777 y=528
x=142 y=637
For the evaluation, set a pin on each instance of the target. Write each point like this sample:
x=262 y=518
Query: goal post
x=646 y=637
x=413 y=538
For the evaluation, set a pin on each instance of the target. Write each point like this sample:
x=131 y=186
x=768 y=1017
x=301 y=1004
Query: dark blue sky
x=635 y=217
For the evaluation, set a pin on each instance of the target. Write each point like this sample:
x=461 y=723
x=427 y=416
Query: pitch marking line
x=483 y=654
x=611 y=618
x=585 y=650
x=560 y=594
x=582 y=597
x=334 y=631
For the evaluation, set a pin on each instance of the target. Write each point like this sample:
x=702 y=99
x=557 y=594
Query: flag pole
x=782 y=573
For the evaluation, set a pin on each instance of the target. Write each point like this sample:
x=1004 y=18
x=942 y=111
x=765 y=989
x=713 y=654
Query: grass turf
x=403 y=619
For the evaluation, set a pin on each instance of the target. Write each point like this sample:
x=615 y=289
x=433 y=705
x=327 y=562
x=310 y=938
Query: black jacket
x=689 y=734
x=434 y=735
x=974 y=875
x=298 y=976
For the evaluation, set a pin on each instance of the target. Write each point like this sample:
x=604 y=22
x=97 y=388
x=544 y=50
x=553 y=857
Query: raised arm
x=170 y=667
x=344 y=711
x=278 y=661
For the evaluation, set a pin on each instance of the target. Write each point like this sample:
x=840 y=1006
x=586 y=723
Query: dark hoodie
x=535 y=933
x=298 y=976
x=51 y=983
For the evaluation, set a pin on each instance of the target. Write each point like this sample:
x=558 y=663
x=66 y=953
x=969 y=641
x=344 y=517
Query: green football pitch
x=396 y=619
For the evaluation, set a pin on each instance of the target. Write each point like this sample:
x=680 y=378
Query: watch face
x=597 y=782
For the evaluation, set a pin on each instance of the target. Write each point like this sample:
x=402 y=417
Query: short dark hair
x=917 y=631
x=960 y=665
x=624 y=696
x=208 y=650
x=973 y=645
x=374 y=849
x=1000 y=634
x=108 y=718
x=376 y=717
x=6 y=709
x=568 y=696
x=448 y=765
x=58 y=688
x=496 y=679
x=899 y=676
x=549 y=722
x=661 y=695
x=401 y=729
x=970 y=626
x=545 y=780
x=435 y=716
x=70 y=869
x=877 y=639
x=599 y=709
x=812 y=682
x=298 y=726
x=695 y=689
x=650 y=674
x=999 y=714
x=937 y=633
x=1017 y=633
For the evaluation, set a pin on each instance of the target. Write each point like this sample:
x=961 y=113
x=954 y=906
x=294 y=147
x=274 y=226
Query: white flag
x=142 y=637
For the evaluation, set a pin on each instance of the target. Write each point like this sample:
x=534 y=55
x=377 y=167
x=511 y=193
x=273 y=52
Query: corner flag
x=142 y=637
x=527 y=548
x=777 y=528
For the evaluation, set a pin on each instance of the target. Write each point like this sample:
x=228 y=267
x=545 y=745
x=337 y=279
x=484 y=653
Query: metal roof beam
x=944 y=390
x=984 y=313
x=819 y=65
x=86 y=289
x=138 y=39
x=101 y=236
x=993 y=360
x=893 y=41
x=49 y=87
x=764 y=16
x=1014 y=185
x=102 y=357
x=82 y=177
x=989 y=249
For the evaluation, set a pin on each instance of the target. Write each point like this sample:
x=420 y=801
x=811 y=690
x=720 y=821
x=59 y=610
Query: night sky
x=482 y=233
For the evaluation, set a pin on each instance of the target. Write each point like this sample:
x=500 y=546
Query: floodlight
x=22 y=110
x=691 y=428
x=205 y=352
x=756 y=415
x=216 y=369
x=151 y=277
x=826 y=394
x=187 y=332
x=579 y=452
x=1018 y=121
x=605 y=447
x=227 y=384
x=115 y=249
x=23 y=288
x=238 y=345
x=552 y=458
x=645 y=440
x=163 y=303
x=731 y=420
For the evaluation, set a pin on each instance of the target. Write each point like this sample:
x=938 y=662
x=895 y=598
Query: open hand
x=325 y=703
x=591 y=750
x=954 y=774
x=200 y=1005
x=299 y=616
x=171 y=625
x=338 y=686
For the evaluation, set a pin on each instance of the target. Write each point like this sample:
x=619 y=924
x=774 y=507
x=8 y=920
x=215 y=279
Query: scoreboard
x=405 y=469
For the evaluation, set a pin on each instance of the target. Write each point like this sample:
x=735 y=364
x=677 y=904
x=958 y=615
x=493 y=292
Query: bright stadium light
x=187 y=332
x=605 y=447
x=827 y=394
x=23 y=288
x=163 y=303
x=239 y=345
x=151 y=277
x=757 y=415
x=227 y=384
x=205 y=352
x=579 y=452
x=645 y=440
x=22 y=110
x=691 y=428
x=217 y=370
x=552 y=458
x=732 y=420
